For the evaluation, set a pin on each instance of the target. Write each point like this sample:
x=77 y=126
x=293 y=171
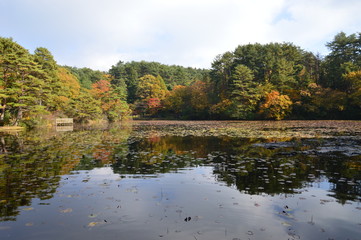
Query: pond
x=183 y=180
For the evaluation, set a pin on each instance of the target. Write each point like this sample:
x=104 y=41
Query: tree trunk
x=2 y=114
x=19 y=116
x=2 y=145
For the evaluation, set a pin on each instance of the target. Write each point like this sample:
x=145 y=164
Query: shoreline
x=11 y=128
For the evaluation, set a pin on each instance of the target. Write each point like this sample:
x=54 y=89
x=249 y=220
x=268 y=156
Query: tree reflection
x=31 y=164
x=247 y=164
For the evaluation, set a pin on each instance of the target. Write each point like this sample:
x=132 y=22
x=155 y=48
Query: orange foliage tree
x=112 y=99
x=101 y=88
x=275 y=106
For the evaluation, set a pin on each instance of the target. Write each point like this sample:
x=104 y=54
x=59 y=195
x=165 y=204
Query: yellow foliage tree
x=174 y=100
x=151 y=87
x=150 y=92
x=352 y=81
x=67 y=88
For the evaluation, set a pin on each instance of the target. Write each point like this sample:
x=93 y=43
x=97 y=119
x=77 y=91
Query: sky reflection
x=101 y=203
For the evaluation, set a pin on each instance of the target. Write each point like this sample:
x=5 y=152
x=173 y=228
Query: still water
x=183 y=180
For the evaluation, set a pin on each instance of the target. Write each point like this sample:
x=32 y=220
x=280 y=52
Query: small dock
x=64 y=124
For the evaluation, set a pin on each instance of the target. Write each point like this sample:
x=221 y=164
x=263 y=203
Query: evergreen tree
x=22 y=81
x=344 y=57
x=245 y=93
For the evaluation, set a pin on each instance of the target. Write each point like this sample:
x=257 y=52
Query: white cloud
x=98 y=33
x=310 y=24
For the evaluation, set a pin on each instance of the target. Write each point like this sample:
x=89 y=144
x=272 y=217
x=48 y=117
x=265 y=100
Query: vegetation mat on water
x=250 y=129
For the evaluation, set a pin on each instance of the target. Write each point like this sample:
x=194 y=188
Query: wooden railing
x=64 y=122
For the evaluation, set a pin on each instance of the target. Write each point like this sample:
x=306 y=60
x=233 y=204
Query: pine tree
x=22 y=81
x=245 y=93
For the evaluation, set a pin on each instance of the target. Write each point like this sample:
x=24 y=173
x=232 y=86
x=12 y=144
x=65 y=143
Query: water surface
x=183 y=180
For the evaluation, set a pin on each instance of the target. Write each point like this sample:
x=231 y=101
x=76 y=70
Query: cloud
x=310 y=24
x=98 y=33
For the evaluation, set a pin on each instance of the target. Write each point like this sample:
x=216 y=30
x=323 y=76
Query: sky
x=191 y=33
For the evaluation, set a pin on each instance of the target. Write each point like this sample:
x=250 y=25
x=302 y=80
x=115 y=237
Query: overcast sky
x=99 y=33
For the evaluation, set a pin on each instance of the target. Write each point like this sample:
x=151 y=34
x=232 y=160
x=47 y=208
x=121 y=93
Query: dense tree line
x=255 y=81
x=86 y=76
x=34 y=85
x=130 y=73
x=276 y=81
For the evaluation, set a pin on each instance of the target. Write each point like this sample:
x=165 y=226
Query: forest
x=255 y=81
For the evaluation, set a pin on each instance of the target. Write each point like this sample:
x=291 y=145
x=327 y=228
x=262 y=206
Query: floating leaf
x=68 y=210
x=93 y=224
x=92 y=215
x=28 y=209
x=286 y=224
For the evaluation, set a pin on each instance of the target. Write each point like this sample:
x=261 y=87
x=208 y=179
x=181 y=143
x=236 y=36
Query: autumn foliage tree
x=352 y=81
x=150 y=91
x=275 y=106
x=66 y=88
x=112 y=98
x=174 y=102
x=188 y=101
x=198 y=101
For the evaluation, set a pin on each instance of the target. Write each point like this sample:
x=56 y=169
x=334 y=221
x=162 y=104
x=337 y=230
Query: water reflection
x=241 y=162
x=32 y=165
x=65 y=128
